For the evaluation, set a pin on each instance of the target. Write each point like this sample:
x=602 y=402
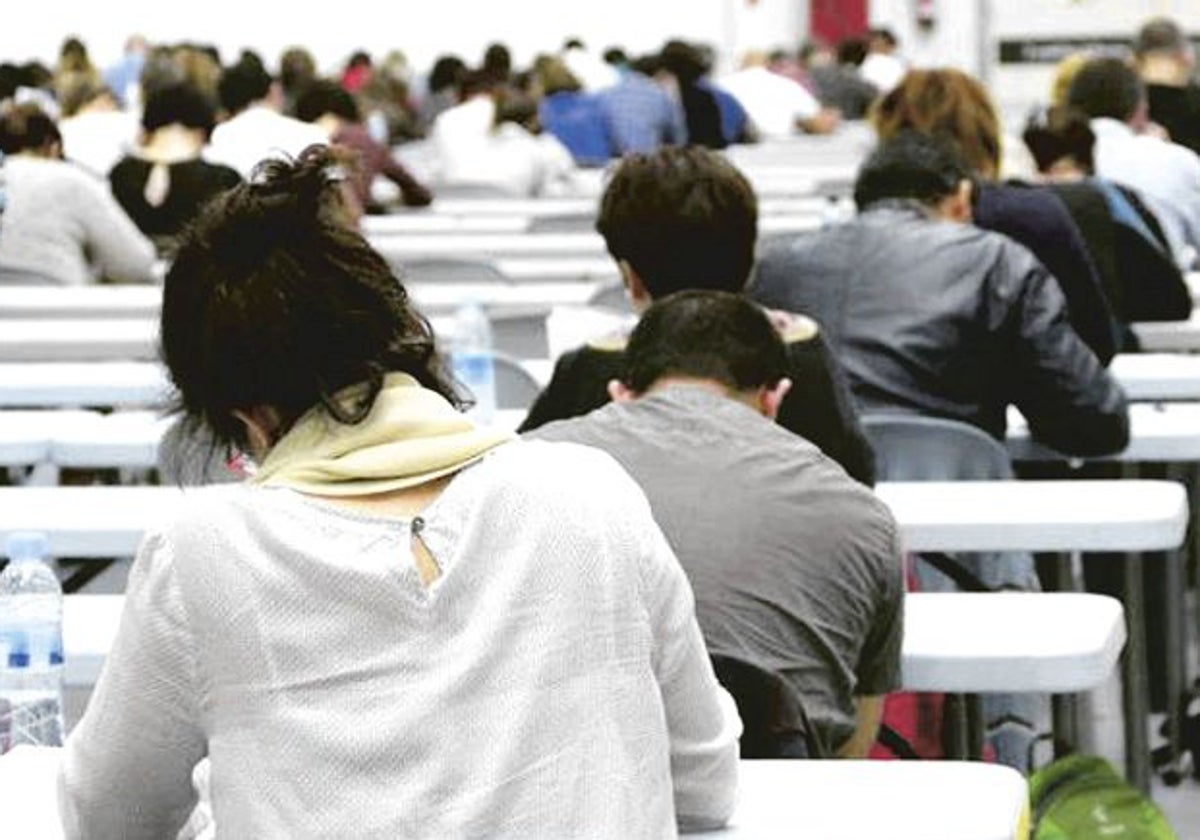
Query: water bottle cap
x=26 y=545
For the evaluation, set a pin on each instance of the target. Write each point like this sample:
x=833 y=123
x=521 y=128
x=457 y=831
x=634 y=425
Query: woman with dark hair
x=403 y=624
x=163 y=185
x=1125 y=237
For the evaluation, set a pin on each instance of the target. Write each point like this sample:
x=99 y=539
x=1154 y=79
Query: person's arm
x=869 y=711
x=412 y=192
x=1071 y=402
x=877 y=671
x=702 y=719
x=820 y=408
x=113 y=242
x=127 y=767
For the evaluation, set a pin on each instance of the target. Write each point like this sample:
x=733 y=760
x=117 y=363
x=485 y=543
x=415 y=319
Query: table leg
x=1135 y=682
x=1065 y=707
x=975 y=726
x=956 y=729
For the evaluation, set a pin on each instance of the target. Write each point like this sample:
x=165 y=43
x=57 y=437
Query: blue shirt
x=733 y=116
x=641 y=116
x=578 y=121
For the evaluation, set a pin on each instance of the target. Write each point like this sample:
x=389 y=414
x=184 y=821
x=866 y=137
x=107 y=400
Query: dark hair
x=683 y=218
x=911 y=165
x=178 y=105
x=647 y=65
x=245 y=82
x=573 y=43
x=616 y=56
x=1159 y=35
x=1106 y=87
x=1052 y=134
x=683 y=61
x=447 y=71
x=26 y=127
x=720 y=336
x=274 y=299
x=852 y=51
x=297 y=68
x=882 y=33
x=497 y=60
x=326 y=97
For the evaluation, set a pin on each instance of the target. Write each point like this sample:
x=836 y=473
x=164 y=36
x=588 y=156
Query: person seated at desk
x=931 y=315
x=403 y=625
x=796 y=568
x=686 y=218
x=61 y=225
x=330 y=107
x=163 y=185
x=1132 y=253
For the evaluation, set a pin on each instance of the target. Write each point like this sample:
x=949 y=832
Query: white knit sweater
x=552 y=683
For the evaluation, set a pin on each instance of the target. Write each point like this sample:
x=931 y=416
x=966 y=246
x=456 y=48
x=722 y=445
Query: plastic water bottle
x=471 y=356
x=31 y=652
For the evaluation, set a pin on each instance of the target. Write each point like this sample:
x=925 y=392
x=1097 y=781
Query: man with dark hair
x=255 y=128
x=1165 y=61
x=931 y=315
x=640 y=114
x=685 y=218
x=1167 y=175
x=796 y=568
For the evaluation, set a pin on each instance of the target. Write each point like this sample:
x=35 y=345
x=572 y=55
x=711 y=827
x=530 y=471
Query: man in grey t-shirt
x=796 y=568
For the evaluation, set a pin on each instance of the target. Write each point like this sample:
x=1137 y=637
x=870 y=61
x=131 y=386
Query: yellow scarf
x=411 y=435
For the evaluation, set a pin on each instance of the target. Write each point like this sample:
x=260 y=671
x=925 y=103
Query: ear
x=262 y=424
x=957 y=206
x=769 y=399
x=619 y=392
x=634 y=287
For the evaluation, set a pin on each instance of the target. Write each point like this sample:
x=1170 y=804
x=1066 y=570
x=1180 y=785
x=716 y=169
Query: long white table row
x=537 y=208
x=960 y=643
x=145 y=302
x=824 y=800
x=1101 y=515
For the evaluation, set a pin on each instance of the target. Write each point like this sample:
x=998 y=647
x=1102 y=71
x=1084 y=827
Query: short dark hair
x=720 y=336
x=242 y=83
x=1159 y=35
x=26 y=127
x=447 y=72
x=911 y=165
x=1106 y=87
x=325 y=97
x=274 y=299
x=178 y=104
x=683 y=218
x=1052 y=134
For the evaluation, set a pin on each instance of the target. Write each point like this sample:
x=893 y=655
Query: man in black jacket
x=685 y=218
x=933 y=316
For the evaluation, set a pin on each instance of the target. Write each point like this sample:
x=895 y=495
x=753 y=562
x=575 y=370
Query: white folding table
x=56 y=302
x=1169 y=336
x=81 y=339
x=66 y=384
x=822 y=800
x=1157 y=376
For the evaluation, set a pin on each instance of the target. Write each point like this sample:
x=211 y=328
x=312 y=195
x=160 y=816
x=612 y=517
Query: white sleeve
x=702 y=719
x=127 y=766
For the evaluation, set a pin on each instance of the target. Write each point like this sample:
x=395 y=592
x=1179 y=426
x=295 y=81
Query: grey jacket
x=947 y=320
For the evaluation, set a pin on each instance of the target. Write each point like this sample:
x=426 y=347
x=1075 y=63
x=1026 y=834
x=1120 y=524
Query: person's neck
x=172 y=144
x=1163 y=70
x=712 y=386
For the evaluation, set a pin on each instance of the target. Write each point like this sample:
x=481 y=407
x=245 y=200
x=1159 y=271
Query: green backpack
x=1081 y=797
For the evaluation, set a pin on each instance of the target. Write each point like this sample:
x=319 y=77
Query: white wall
x=422 y=29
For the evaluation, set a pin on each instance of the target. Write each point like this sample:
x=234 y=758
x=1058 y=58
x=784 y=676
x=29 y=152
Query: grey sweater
x=63 y=227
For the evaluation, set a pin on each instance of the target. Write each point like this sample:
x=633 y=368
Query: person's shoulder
x=556 y=475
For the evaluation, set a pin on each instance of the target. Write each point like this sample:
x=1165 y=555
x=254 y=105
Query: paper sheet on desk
x=567 y=327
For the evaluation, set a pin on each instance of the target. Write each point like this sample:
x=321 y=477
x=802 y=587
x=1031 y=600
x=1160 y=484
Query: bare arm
x=870 y=711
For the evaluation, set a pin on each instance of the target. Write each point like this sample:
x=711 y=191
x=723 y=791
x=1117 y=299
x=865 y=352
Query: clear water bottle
x=472 y=358
x=31 y=651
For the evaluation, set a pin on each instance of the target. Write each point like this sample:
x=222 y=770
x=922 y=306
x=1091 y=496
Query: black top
x=819 y=407
x=1177 y=109
x=1140 y=277
x=1037 y=219
x=192 y=183
x=703 y=117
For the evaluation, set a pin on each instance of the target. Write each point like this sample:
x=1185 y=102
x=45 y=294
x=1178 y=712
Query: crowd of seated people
x=955 y=292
